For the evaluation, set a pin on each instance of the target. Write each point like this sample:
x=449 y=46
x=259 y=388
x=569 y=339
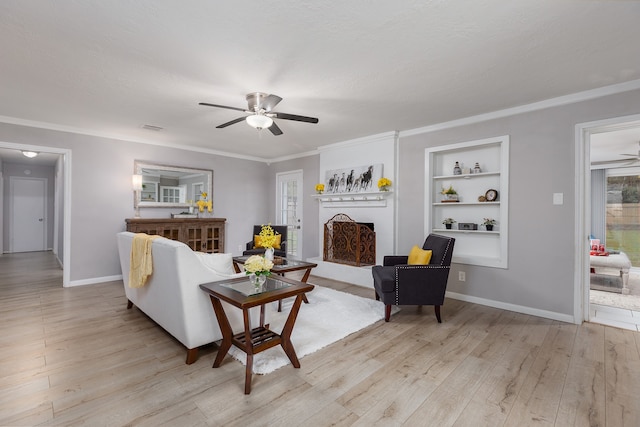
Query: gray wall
x=541 y=235
x=102 y=198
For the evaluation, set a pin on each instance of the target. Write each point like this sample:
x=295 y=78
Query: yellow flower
x=258 y=265
x=319 y=187
x=204 y=195
x=267 y=236
x=384 y=182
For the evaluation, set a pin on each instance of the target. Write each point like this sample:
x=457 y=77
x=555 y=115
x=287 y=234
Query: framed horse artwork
x=357 y=179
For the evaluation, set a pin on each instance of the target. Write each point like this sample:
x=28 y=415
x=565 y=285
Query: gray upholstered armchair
x=398 y=283
x=278 y=229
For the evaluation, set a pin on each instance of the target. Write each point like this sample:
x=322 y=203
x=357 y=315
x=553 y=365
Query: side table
x=242 y=294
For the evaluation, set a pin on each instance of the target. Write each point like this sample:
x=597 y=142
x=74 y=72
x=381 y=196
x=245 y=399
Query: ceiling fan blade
x=275 y=129
x=232 y=122
x=222 y=106
x=286 y=116
x=269 y=102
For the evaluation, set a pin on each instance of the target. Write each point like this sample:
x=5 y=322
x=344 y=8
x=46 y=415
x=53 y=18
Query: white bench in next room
x=618 y=261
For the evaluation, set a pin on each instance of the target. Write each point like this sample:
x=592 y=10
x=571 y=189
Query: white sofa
x=172 y=296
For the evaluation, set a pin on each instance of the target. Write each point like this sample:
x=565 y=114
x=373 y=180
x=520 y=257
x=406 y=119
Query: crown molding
x=541 y=105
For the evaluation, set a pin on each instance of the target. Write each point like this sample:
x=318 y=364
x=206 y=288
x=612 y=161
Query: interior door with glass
x=289 y=209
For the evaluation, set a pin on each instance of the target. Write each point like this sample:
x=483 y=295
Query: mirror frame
x=139 y=165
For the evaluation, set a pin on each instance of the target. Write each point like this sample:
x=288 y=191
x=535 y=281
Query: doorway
x=28 y=214
x=62 y=202
x=289 y=209
x=592 y=215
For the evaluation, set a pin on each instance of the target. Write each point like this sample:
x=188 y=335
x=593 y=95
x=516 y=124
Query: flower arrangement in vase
x=257 y=268
x=319 y=188
x=384 y=184
x=268 y=240
x=450 y=194
x=204 y=203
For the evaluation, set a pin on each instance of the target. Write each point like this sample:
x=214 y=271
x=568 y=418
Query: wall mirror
x=165 y=186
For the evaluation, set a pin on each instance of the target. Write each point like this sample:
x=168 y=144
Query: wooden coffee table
x=287 y=265
x=241 y=293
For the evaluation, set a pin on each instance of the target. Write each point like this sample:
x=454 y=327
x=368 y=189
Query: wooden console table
x=200 y=234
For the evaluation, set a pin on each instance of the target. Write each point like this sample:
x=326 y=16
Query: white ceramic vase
x=268 y=254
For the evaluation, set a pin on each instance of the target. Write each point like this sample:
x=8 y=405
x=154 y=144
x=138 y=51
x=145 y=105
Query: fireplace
x=349 y=242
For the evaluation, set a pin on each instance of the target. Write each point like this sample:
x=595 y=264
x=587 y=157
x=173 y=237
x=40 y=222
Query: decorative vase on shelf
x=268 y=254
x=447 y=226
x=384 y=188
x=489 y=227
x=457 y=170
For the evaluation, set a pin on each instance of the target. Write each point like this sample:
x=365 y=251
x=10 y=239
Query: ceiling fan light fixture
x=259 y=121
x=29 y=154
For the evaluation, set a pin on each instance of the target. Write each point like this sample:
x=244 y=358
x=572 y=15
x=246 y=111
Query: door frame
x=66 y=211
x=583 y=132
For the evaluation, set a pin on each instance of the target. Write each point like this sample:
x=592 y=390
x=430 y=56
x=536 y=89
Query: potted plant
x=489 y=223
x=450 y=194
x=448 y=222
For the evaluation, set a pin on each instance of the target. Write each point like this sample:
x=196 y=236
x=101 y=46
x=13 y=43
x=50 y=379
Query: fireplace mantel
x=378 y=198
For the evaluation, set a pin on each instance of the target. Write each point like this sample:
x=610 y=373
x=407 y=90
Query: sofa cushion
x=219 y=263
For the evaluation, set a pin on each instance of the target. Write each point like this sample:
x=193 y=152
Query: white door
x=27 y=220
x=289 y=209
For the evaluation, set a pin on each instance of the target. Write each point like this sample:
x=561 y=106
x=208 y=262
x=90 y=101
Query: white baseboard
x=94 y=280
x=512 y=307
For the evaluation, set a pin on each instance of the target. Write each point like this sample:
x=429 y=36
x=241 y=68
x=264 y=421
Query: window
x=623 y=212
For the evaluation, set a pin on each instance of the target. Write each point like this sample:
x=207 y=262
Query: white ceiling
x=362 y=67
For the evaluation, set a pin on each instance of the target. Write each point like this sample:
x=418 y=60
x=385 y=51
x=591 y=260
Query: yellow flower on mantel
x=384 y=184
x=319 y=188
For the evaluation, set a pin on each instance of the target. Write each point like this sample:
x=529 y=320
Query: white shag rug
x=330 y=316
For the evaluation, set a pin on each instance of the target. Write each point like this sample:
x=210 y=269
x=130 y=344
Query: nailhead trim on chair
x=413 y=267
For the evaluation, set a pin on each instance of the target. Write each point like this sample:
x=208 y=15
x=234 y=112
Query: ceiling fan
x=260 y=114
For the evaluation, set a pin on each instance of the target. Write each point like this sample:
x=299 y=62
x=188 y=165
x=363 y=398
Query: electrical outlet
x=239 y=248
x=462 y=276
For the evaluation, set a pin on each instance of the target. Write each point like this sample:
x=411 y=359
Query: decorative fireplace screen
x=349 y=242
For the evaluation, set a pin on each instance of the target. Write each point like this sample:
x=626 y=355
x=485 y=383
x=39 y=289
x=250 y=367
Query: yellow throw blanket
x=141 y=263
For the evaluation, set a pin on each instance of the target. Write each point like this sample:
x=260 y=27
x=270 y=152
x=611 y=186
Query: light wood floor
x=77 y=356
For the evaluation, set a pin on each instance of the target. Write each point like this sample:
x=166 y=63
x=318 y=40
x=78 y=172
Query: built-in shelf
x=378 y=198
x=451 y=230
x=475 y=247
x=466 y=203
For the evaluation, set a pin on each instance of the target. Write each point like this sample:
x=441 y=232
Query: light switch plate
x=558 y=198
